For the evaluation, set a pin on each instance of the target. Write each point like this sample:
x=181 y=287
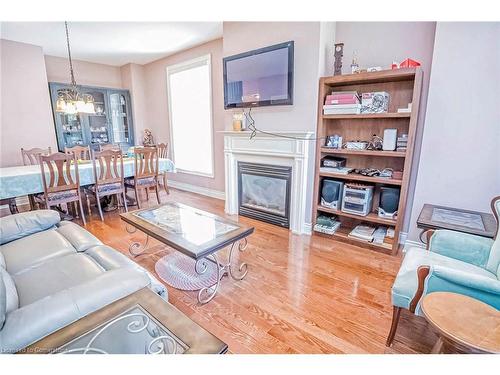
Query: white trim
x=185 y=65
x=409 y=244
x=307 y=228
x=197 y=189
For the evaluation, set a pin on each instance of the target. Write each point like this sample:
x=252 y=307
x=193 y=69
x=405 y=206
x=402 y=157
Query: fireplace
x=264 y=192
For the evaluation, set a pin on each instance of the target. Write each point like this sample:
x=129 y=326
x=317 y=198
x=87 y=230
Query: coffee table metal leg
x=209 y=291
x=136 y=248
x=243 y=268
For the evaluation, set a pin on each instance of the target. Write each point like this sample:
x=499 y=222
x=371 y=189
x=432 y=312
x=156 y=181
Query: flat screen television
x=261 y=77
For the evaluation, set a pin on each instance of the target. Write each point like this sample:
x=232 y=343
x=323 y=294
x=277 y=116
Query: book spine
x=342 y=96
x=342 y=106
x=342 y=101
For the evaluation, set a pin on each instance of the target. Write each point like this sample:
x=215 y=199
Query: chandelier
x=72 y=100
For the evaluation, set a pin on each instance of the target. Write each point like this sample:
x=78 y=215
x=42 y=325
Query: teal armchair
x=453 y=262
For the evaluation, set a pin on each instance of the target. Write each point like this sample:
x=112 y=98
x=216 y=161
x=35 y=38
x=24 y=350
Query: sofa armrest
x=444 y=279
x=14 y=227
x=34 y=321
x=461 y=246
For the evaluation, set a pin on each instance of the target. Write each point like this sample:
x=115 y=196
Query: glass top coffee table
x=195 y=233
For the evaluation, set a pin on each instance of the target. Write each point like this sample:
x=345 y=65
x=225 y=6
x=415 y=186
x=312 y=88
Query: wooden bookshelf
x=404 y=86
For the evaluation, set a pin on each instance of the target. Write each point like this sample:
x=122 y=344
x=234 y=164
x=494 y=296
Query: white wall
x=460 y=155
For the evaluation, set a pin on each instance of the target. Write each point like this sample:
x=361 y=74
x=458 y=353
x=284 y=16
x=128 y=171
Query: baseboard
x=307 y=228
x=197 y=189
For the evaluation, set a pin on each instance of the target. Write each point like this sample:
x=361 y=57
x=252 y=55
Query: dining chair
x=109 y=146
x=162 y=154
x=31 y=157
x=61 y=186
x=81 y=152
x=108 y=174
x=145 y=173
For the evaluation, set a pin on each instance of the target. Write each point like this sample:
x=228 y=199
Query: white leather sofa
x=54 y=273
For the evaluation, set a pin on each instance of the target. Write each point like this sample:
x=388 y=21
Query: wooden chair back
x=110 y=166
x=81 y=152
x=162 y=150
x=146 y=162
x=109 y=146
x=59 y=167
x=31 y=156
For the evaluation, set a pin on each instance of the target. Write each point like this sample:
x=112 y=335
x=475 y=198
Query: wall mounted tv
x=261 y=77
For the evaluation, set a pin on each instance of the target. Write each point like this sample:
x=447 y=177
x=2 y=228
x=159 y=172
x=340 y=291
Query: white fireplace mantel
x=289 y=148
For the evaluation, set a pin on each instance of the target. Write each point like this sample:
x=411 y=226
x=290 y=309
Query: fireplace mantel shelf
x=296 y=133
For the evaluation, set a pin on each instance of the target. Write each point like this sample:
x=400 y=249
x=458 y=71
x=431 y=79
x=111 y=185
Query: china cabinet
x=111 y=122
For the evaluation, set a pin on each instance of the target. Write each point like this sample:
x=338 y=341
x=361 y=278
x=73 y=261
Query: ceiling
x=113 y=43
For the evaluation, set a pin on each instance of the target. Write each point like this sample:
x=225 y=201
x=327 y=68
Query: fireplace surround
x=289 y=149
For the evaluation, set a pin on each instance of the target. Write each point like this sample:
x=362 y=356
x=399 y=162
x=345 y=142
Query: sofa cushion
x=2 y=260
x=11 y=296
x=39 y=247
x=14 y=227
x=65 y=272
x=80 y=238
x=406 y=283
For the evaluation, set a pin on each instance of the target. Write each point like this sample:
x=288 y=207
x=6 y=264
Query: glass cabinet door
x=120 y=120
x=98 y=121
x=72 y=130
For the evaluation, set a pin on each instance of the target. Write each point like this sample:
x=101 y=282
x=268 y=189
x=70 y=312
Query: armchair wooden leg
x=98 y=200
x=157 y=194
x=81 y=210
x=124 y=201
x=394 y=325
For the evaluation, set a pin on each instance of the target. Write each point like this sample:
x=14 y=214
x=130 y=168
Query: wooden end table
x=434 y=217
x=141 y=323
x=463 y=324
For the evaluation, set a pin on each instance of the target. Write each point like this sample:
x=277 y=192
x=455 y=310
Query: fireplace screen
x=264 y=192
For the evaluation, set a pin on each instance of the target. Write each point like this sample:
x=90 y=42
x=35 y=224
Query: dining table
x=24 y=180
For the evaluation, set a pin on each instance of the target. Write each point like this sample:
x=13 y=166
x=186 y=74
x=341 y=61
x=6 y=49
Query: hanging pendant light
x=72 y=100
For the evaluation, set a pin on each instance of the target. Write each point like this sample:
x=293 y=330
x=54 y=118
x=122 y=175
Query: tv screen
x=259 y=78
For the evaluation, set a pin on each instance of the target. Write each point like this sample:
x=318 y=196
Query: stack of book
x=326 y=224
x=342 y=103
x=363 y=232
x=402 y=143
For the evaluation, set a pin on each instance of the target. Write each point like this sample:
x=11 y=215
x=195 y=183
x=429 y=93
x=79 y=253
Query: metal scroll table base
x=232 y=268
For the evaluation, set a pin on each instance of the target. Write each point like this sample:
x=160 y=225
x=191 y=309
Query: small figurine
x=148 y=140
x=354 y=64
x=339 y=53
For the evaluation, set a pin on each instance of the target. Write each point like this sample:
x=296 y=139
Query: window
x=190 y=108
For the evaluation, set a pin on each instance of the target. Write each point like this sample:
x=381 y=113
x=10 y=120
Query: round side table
x=463 y=324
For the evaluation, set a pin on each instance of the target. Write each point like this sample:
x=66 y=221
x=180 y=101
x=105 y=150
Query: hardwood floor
x=302 y=294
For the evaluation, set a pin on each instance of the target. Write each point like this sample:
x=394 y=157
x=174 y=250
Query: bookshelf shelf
x=372 y=217
x=367 y=116
x=403 y=86
x=344 y=151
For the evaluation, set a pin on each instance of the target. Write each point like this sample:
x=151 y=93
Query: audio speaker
x=390 y=137
x=389 y=199
x=331 y=193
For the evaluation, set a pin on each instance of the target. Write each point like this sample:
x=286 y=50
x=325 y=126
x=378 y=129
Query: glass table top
x=195 y=226
x=134 y=331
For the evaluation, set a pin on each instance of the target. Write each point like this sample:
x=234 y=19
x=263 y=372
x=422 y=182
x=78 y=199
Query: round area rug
x=178 y=271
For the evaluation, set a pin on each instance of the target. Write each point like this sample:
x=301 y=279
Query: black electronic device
x=331 y=193
x=388 y=202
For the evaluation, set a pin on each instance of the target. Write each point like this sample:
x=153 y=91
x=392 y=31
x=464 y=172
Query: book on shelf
x=342 y=101
x=341 y=106
x=379 y=235
x=343 y=95
x=341 y=170
x=342 y=111
x=362 y=232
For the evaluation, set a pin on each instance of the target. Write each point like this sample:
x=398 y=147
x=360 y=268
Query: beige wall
x=86 y=73
x=460 y=157
x=132 y=78
x=26 y=117
x=157 y=112
x=380 y=43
